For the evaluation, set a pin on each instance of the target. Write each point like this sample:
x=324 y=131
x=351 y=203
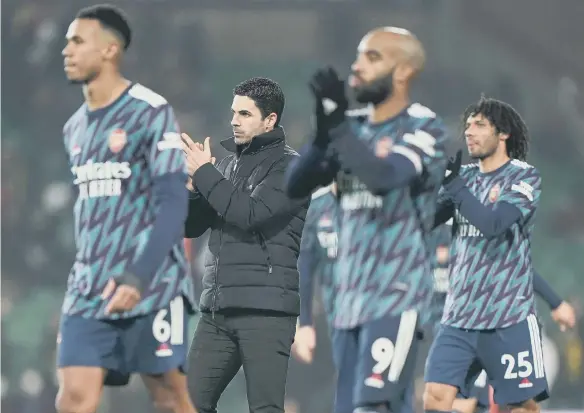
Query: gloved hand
x=330 y=103
x=453 y=168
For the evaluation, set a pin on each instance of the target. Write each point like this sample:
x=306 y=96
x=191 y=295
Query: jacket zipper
x=216 y=277
x=266 y=251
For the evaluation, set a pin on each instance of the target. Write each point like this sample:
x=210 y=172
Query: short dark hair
x=111 y=18
x=506 y=120
x=266 y=94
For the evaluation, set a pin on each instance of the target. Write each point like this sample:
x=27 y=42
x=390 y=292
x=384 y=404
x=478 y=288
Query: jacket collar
x=275 y=136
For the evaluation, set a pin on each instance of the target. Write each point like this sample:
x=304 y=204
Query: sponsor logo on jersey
x=355 y=195
x=465 y=228
x=100 y=179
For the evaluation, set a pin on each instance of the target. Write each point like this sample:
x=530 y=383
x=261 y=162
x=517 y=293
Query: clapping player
x=388 y=169
x=489 y=319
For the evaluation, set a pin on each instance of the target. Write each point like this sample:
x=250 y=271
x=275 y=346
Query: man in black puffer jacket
x=250 y=297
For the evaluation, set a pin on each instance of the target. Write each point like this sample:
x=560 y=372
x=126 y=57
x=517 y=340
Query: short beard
x=483 y=155
x=375 y=91
x=242 y=140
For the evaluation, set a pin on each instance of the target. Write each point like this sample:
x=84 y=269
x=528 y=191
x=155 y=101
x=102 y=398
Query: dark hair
x=111 y=18
x=506 y=120
x=266 y=94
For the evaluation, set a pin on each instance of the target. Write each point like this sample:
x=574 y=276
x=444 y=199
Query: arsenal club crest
x=117 y=140
x=494 y=193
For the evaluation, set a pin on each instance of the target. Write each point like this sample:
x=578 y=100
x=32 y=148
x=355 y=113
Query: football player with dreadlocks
x=489 y=319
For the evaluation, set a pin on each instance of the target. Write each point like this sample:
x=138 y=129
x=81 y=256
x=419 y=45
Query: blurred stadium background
x=527 y=52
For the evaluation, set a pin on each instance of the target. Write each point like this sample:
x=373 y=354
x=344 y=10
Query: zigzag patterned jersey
x=491 y=283
x=114 y=155
x=384 y=262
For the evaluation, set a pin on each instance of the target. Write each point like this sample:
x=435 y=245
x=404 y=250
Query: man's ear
x=271 y=119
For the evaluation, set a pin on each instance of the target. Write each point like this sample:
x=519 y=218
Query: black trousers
x=260 y=341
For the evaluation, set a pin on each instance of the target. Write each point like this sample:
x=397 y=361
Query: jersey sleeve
x=523 y=191
x=166 y=155
x=425 y=147
x=67 y=144
x=309 y=238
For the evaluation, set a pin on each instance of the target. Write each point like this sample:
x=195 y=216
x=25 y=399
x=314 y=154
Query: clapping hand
x=330 y=103
x=453 y=168
x=197 y=154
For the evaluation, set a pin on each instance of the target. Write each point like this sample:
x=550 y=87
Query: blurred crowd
x=194 y=54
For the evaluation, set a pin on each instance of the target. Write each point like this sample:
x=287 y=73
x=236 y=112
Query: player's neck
x=493 y=162
x=104 y=90
x=389 y=108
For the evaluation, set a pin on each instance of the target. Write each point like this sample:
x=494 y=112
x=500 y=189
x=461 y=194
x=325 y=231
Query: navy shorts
x=478 y=389
x=152 y=344
x=512 y=358
x=375 y=363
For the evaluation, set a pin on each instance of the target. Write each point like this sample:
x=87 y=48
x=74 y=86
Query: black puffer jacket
x=256 y=229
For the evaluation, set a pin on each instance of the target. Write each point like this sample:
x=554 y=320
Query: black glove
x=453 y=167
x=331 y=103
